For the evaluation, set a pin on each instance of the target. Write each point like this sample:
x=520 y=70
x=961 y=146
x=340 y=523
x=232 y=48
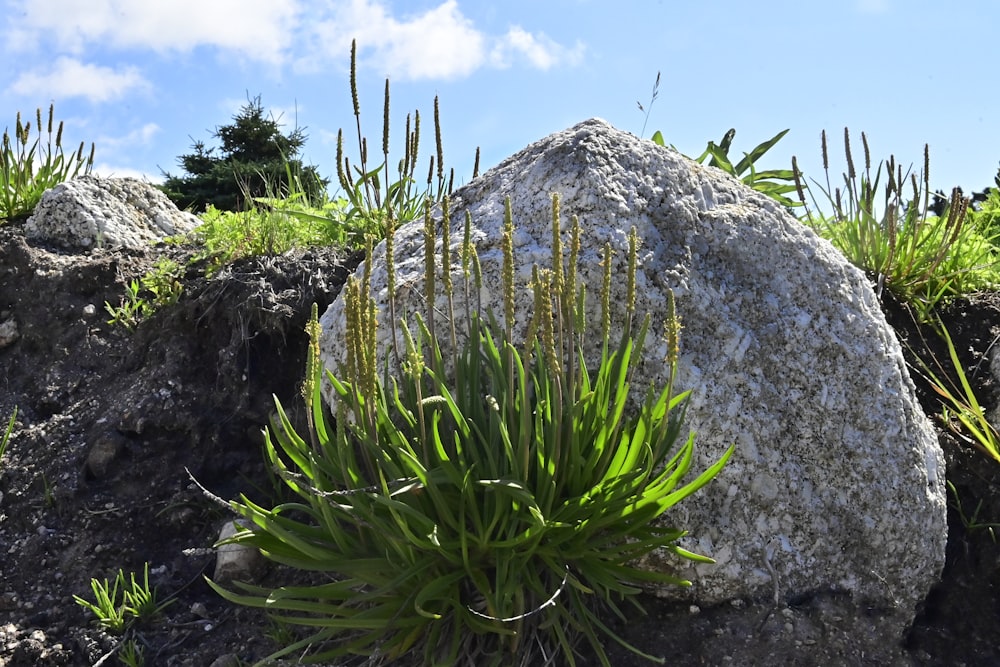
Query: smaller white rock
x=235 y=561
x=90 y=212
x=8 y=332
x=993 y=412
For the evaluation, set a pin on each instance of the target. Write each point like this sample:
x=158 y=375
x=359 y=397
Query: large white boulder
x=90 y=211
x=837 y=482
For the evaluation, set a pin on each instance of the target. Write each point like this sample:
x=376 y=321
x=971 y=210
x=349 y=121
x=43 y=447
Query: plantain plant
x=373 y=187
x=29 y=168
x=775 y=183
x=290 y=215
x=888 y=231
x=119 y=604
x=493 y=517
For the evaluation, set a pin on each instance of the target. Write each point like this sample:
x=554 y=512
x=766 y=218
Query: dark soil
x=112 y=425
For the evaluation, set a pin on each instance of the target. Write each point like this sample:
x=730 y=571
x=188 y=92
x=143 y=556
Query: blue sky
x=144 y=79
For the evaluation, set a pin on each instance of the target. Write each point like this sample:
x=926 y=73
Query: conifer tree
x=254 y=160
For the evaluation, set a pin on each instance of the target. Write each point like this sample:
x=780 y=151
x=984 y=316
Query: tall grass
x=30 y=167
x=887 y=229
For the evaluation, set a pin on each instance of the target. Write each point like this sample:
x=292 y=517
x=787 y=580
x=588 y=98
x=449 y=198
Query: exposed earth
x=110 y=423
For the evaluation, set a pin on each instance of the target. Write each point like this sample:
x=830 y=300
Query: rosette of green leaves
x=485 y=518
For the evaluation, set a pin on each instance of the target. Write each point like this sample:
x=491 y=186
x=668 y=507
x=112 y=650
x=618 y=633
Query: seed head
x=437 y=139
x=385 y=122
x=354 y=77
x=507 y=239
x=446 y=245
x=606 y=293
x=847 y=151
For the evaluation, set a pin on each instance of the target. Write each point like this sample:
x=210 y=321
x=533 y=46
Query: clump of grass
x=986 y=216
x=273 y=226
x=132 y=654
x=971 y=522
x=143 y=296
x=119 y=603
x=889 y=232
x=961 y=411
x=5 y=438
x=491 y=514
x=375 y=195
x=29 y=168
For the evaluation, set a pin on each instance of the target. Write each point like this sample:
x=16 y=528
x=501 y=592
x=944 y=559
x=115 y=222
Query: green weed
x=48 y=491
x=108 y=606
x=120 y=603
x=132 y=654
x=381 y=194
x=961 y=410
x=489 y=515
x=775 y=183
x=159 y=287
x=29 y=168
x=889 y=233
x=5 y=439
x=986 y=217
x=972 y=523
x=272 y=226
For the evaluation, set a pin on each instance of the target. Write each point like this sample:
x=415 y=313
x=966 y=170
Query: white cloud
x=113 y=151
x=258 y=29
x=68 y=77
x=540 y=51
x=142 y=136
x=439 y=43
x=436 y=43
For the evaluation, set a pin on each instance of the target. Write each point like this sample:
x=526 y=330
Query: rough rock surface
x=229 y=343
x=90 y=212
x=837 y=483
